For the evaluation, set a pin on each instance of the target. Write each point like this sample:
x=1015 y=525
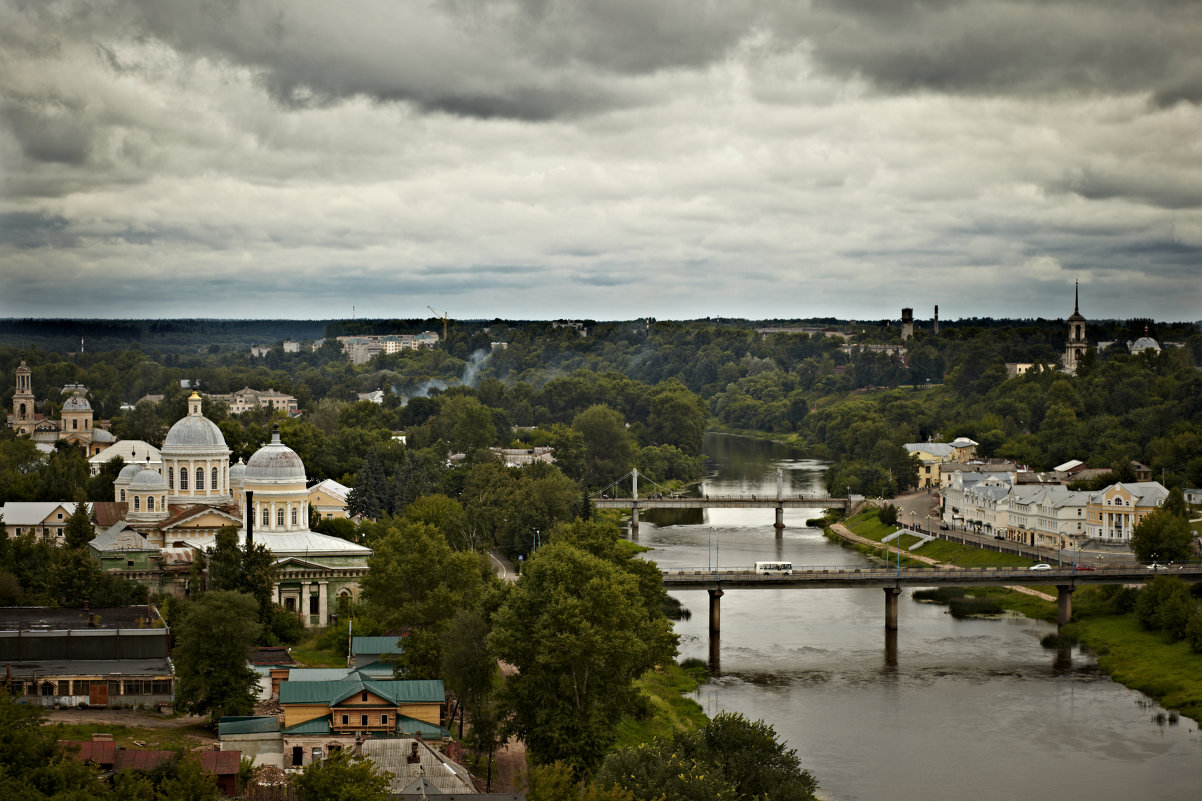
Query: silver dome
x=127 y=473
x=77 y=403
x=148 y=479
x=274 y=463
x=194 y=431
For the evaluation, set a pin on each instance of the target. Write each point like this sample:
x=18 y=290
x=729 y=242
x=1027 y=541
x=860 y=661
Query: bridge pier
x=780 y=519
x=1064 y=603
x=891 y=595
x=634 y=522
x=715 y=612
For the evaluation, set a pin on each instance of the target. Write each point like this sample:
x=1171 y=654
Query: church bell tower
x=1076 y=345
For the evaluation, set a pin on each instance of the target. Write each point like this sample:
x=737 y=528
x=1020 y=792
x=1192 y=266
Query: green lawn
x=1142 y=660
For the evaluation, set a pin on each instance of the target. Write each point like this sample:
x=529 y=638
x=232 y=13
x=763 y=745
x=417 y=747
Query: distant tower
x=936 y=328
x=907 y=324
x=22 y=420
x=1076 y=345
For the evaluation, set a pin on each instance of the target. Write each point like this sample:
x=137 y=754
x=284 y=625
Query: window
x=137 y=505
x=150 y=503
x=183 y=479
x=363 y=720
x=161 y=686
x=122 y=498
x=279 y=518
x=213 y=482
x=170 y=478
x=74 y=423
x=294 y=516
x=64 y=688
x=317 y=753
x=346 y=720
x=315 y=607
x=265 y=518
x=363 y=697
x=200 y=478
x=383 y=720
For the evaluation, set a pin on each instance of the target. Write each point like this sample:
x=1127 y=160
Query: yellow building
x=1112 y=513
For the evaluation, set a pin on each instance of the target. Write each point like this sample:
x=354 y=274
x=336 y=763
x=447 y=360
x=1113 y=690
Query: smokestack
x=936 y=318
x=250 y=520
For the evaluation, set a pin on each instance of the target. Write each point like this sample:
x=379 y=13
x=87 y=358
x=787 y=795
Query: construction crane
x=444 y=321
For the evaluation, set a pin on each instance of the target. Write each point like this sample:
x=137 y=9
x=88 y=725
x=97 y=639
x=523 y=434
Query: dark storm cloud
x=1159 y=188
x=1018 y=47
x=22 y=229
x=47 y=132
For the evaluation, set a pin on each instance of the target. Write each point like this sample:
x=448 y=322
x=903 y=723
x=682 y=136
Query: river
x=958 y=709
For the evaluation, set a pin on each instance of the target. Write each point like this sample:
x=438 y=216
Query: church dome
x=194 y=431
x=148 y=480
x=1144 y=343
x=238 y=473
x=127 y=473
x=274 y=463
x=77 y=403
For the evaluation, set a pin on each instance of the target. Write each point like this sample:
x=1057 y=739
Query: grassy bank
x=867 y=525
x=1142 y=660
x=1168 y=672
x=669 y=708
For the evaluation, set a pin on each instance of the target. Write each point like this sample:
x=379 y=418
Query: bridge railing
x=801 y=571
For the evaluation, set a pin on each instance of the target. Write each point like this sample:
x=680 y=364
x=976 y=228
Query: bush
x=967 y=607
x=888 y=514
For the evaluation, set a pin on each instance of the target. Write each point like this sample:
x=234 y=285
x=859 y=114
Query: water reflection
x=941 y=708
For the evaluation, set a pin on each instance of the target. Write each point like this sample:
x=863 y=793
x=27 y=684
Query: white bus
x=774 y=568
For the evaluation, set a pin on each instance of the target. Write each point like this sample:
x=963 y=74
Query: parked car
x=1040 y=566
x=1086 y=567
x=1155 y=566
x=943 y=526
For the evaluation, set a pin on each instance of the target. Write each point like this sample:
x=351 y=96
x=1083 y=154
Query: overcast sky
x=607 y=159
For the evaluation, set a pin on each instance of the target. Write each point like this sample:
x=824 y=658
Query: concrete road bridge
x=892 y=579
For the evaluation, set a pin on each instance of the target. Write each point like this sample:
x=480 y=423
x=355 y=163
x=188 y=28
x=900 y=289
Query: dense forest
x=640 y=393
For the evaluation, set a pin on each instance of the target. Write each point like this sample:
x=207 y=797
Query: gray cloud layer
x=669 y=157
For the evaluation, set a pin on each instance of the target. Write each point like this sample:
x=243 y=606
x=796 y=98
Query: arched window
x=266 y=517
x=213 y=483
x=74 y=423
x=294 y=515
x=150 y=503
x=137 y=504
x=183 y=479
x=163 y=502
x=123 y=495
x=200 y=478
x=170 y=478
x=279 y=518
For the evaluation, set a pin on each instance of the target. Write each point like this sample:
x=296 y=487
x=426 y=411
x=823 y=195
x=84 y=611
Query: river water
x=953 y=709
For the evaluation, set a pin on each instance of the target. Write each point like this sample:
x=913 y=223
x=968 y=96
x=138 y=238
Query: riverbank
x=1140 y=660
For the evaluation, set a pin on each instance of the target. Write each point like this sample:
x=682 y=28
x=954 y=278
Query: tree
x=235 y=568
x=342 y=776
x=1162 y=536
x=730 y=758
x=416 y=580
x=578 y=632
x=608 y=446
x=367 y=497
x=78 y=531
x=213 y=640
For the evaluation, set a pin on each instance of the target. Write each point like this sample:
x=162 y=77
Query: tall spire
x=1076 y=291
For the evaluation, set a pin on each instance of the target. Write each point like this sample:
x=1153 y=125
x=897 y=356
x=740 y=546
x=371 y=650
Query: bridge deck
x=834 y=576
x=722 y=502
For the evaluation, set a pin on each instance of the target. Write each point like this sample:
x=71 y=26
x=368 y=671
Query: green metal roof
x=406 y=725
x=376 y=645
x=254 y=724
x=332 y=692
x=315 y=726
